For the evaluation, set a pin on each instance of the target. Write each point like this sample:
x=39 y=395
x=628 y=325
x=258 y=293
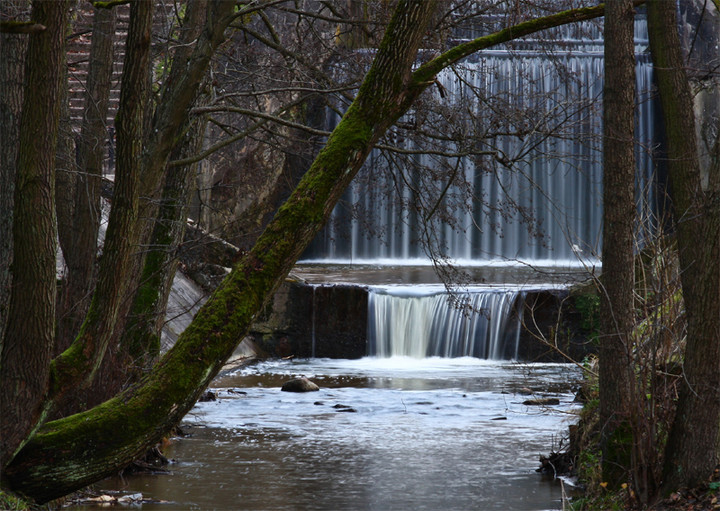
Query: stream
x=381 y=434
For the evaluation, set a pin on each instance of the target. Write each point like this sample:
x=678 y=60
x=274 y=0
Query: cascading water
x=554 y=181
x=422 y=322
x=544 y=167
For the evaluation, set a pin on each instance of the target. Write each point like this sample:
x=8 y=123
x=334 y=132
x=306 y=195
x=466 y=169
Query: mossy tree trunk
x=691 y=453
x=75 y=451
x=617 y=316
x=28 y=341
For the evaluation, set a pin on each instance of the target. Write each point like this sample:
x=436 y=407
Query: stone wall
x=553 y=325
x=321 y=321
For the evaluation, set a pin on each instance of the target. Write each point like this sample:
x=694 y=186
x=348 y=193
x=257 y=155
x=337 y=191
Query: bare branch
x=255 y=113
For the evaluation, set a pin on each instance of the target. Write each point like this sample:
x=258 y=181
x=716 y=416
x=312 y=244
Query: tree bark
x=79 y=240
x=691 y=452
x=29 y=337
x=12 y=55
x=617 y=280
x=77 y=365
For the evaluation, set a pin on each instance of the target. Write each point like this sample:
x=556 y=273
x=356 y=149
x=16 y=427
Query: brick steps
x=79 y=54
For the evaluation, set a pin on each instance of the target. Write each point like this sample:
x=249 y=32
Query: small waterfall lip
x=580 y=263
x=425 y=278
x=421 y=290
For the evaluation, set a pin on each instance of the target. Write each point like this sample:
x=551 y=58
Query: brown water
x=429 y=434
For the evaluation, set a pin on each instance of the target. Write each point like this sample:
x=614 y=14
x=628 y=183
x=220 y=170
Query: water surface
x=381 y=434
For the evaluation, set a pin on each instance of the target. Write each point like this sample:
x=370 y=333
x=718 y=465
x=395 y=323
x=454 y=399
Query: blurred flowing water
x=424 y=321
x=393 y=433
x=556 y=177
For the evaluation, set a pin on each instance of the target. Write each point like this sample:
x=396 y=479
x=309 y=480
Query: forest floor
x=698 y=499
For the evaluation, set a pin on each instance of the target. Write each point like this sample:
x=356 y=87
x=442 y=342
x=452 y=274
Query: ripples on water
x=433 y=434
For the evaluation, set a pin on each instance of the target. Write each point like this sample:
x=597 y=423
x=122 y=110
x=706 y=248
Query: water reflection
x=424 y=434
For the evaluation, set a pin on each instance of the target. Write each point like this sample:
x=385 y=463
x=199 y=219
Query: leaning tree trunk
x=28 y=341
x=691 y=452
x=70 y=453
x=617 y=281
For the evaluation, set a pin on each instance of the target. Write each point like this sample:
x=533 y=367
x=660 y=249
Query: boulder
x=299 y=385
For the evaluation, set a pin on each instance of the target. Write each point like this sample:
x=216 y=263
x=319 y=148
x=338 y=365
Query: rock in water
x=543 y=401
x=208 y=395
x=299 y=385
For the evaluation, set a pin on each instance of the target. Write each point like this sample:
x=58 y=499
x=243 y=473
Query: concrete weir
x=330 y=312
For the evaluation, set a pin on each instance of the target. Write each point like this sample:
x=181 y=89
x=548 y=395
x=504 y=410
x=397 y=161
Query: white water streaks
x=554 y=178
x=426 y=321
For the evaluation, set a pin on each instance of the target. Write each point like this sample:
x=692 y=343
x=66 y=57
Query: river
x=381 y=434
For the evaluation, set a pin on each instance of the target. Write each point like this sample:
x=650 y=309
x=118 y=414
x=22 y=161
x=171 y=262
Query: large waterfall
x=519 y=180
x=553 y=179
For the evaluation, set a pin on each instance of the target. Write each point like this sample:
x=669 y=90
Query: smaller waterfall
x=421 y=322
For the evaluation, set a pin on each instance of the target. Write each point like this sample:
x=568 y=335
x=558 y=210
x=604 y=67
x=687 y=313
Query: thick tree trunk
x=691 y=453
x=617 y=281
x=79 y=240
x=29 y=337
x=12 y=56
